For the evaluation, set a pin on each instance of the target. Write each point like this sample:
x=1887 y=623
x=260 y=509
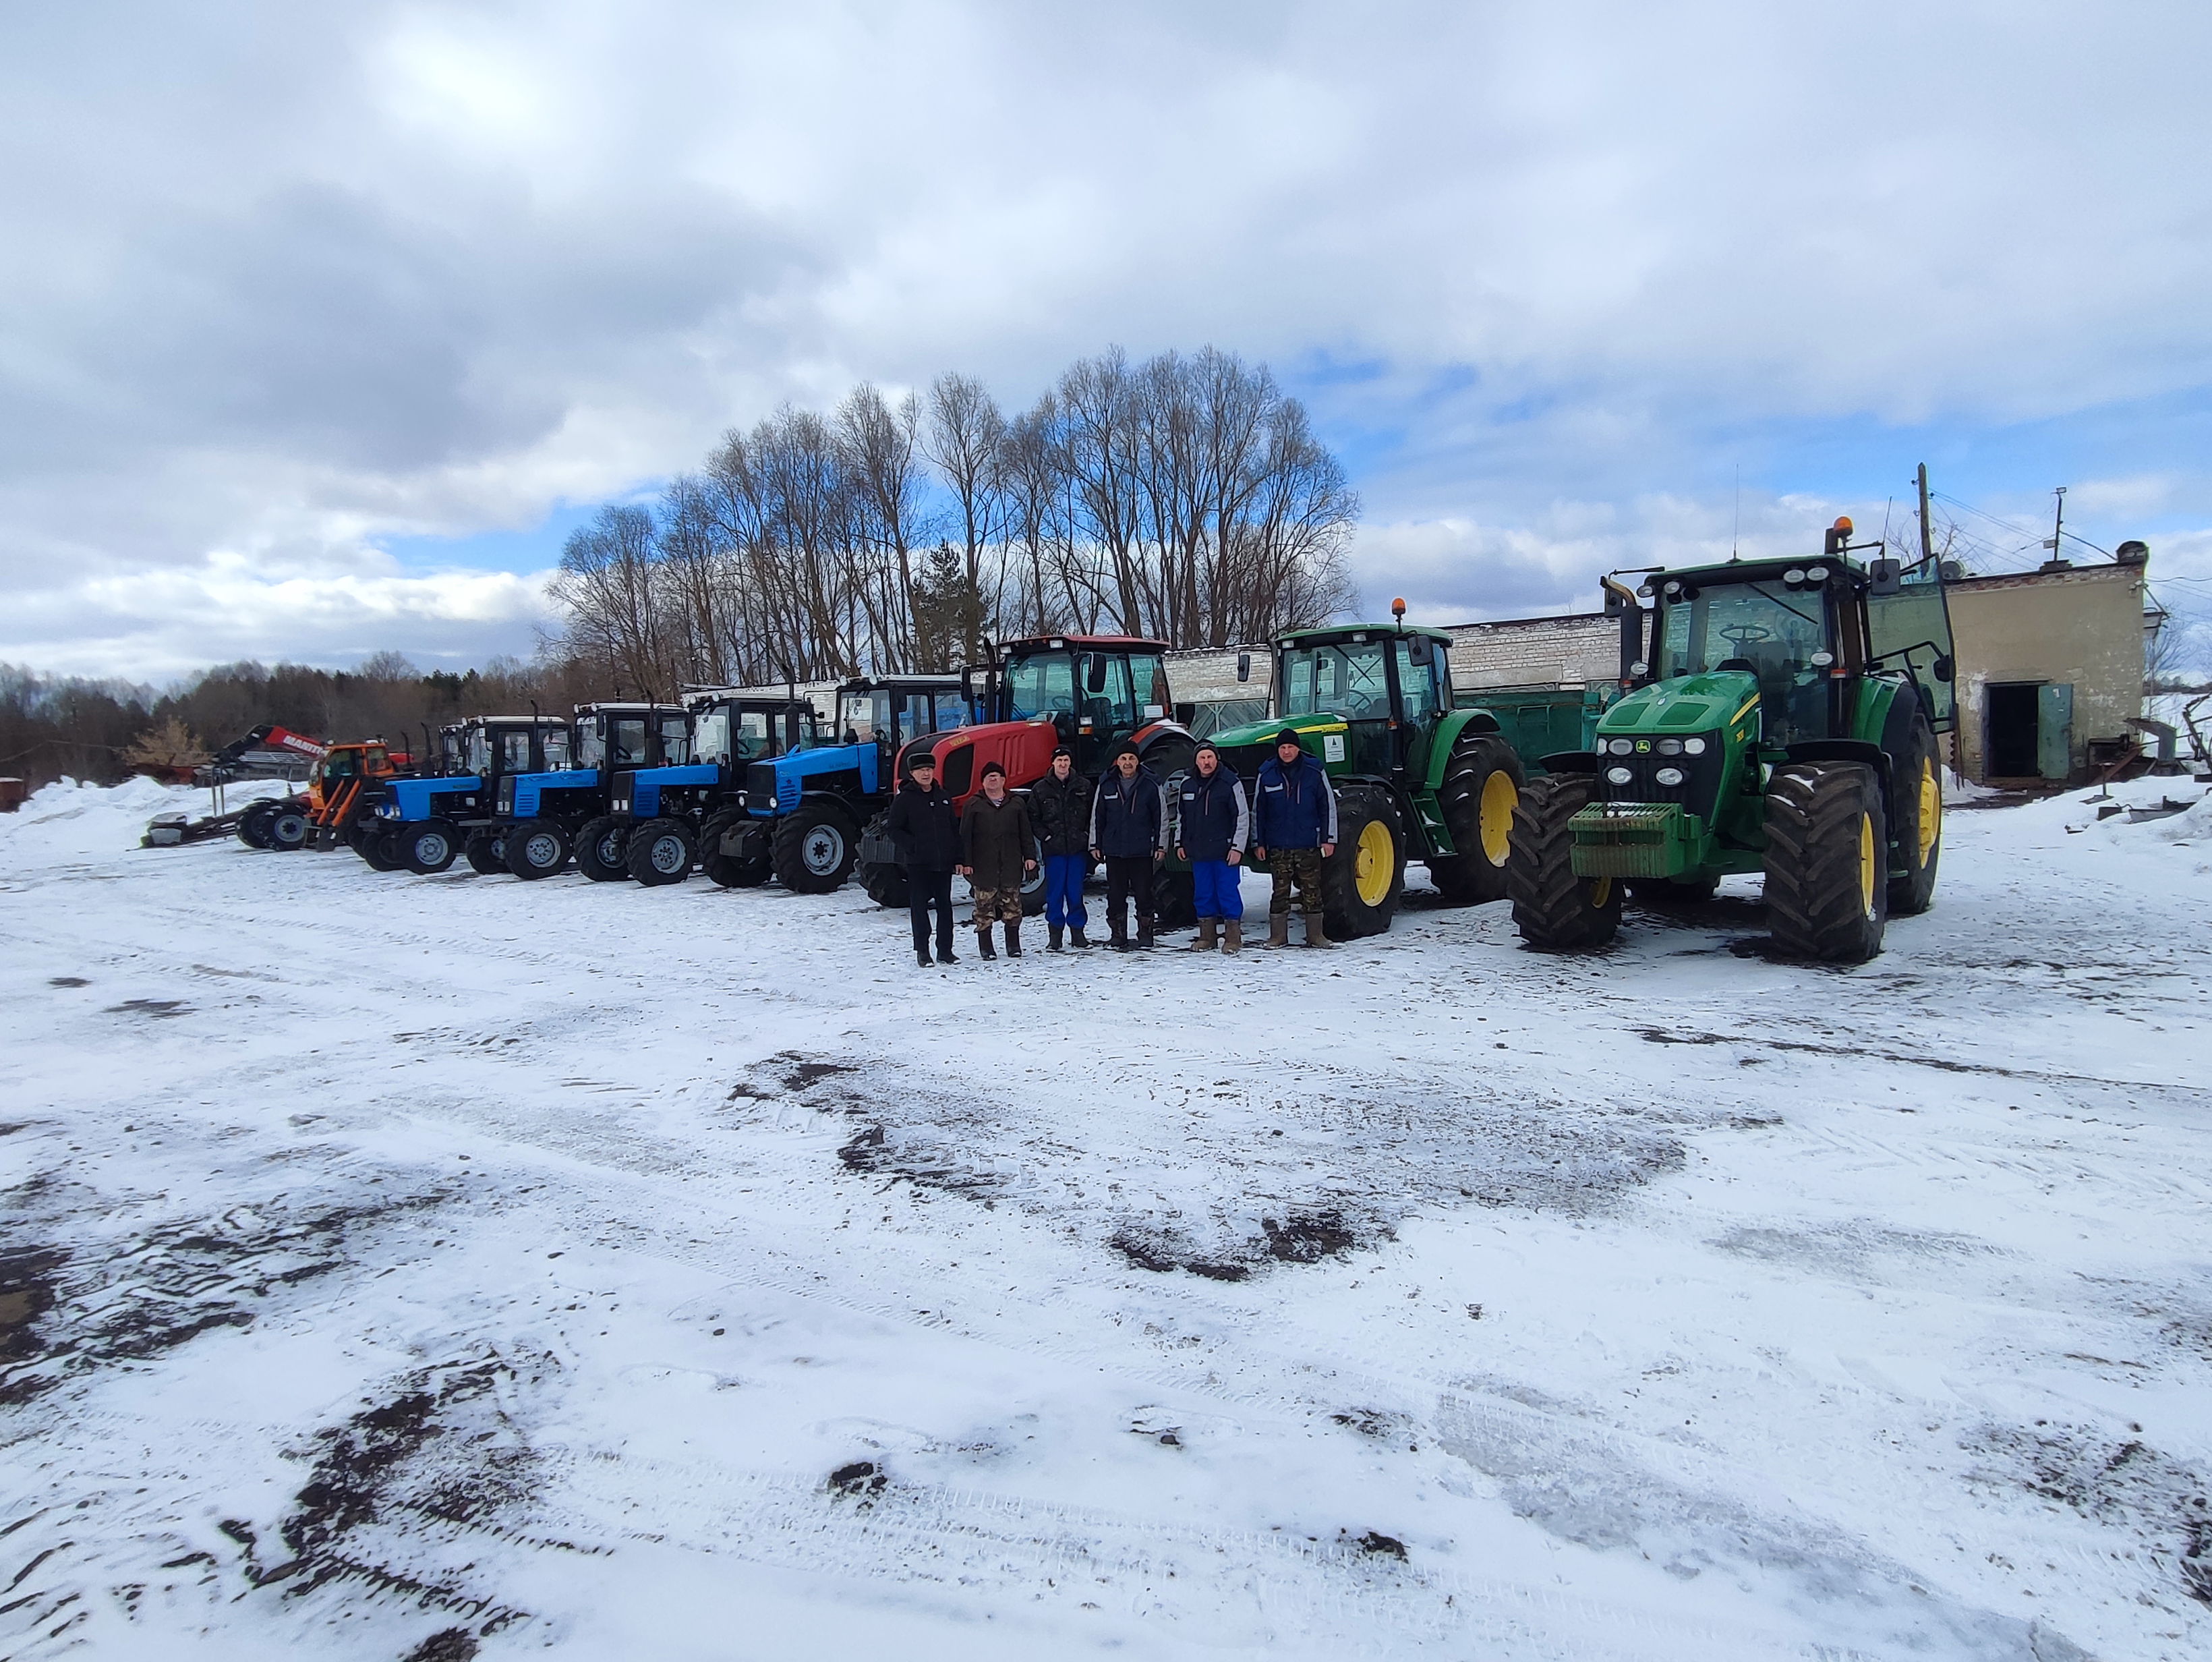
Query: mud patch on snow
x=156 y=1009
x=874 y=1152
x=2164 y=1506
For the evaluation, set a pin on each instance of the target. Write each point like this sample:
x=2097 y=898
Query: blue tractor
x=422 y=824
x=539 y=817
x=659 y=819
x=804 y=810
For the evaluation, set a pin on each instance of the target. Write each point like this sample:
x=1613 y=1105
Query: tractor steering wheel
x=1740 y=635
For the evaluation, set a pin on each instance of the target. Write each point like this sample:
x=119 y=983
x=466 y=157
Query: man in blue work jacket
x=1211 y=825
x=1294 y=815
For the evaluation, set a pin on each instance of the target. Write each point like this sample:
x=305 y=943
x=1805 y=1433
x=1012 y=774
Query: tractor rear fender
x=1569 y=761
x=1449 y=728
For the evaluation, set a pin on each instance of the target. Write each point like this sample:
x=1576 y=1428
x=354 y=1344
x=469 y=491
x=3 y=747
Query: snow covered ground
x=438 y=1268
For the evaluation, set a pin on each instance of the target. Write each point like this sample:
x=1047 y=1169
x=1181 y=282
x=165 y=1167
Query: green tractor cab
x=1415 y=777
x=1783 y=721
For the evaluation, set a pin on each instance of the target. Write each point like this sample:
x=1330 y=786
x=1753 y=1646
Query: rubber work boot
x=983 y=940
x=1205 y=941
x=1013 y=941
x=1052 y=932
x=944 y=955
x=1075 y=940
x=921 y=955
x=1232 y=936
x=1144 y=934
x=1278 y=929
x=1315 y=935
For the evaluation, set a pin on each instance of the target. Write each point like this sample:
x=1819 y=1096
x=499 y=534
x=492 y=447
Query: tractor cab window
x=913 y=716
x=710 y=735
x=1346 y=680
x=1421 y=686
x=476 y=752
x=952 y=712
x=629 y=743
x=752 y=736
x=1149 y=682
x=805 y=727
x=1107 y=709
x=1771 y=630
x=865 y=718
x=449 y=752
x=515 y=750
x=342 y=765
x=1910 y=630
x=1042 y=684
x=556 y=749
x=675 y=741
x=592 y=742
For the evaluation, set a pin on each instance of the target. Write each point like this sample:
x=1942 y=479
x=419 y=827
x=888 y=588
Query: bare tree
x=965 y=433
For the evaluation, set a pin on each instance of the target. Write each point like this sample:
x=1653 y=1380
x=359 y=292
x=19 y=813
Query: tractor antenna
x=1735 y=535
x=1887 y=505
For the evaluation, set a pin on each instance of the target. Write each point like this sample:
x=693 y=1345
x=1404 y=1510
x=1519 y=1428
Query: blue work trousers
x=1214 y=890
x=1063 y=891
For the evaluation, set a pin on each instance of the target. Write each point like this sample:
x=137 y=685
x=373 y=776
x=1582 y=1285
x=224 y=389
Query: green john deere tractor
x=1782 y=721
x=1413 y=776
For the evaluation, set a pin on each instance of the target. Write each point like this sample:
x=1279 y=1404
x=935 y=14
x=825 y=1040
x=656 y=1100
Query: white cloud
x=284 y=280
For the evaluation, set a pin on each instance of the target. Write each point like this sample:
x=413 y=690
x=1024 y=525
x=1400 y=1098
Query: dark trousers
x=926 y=888
x=1128 y=876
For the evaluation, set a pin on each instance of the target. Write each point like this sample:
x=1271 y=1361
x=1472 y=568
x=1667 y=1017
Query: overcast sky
x=322 y=325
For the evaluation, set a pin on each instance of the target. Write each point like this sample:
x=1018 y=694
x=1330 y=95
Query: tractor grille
x=1633 y=839
x=760 y=788
x=1698 y=791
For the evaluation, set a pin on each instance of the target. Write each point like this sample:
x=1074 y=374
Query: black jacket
x=1210 y=819
x=1061 y=813
x=1128 y=820
x=922 y=823
x=996 y=842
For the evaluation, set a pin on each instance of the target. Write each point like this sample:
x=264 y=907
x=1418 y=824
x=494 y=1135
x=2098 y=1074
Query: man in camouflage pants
x=1000 y=850
x=1294 y=815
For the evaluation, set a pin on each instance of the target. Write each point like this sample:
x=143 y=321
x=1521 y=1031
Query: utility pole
x=1927 y=532
x=2058 y=525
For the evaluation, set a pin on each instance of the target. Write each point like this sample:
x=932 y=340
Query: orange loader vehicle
x=329 y=810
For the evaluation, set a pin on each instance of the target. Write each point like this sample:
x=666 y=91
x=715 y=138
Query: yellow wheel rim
x=1374 y=863
x=1867 y=872
x=1931 y=809
x=1499 y=799
x=1601 y=893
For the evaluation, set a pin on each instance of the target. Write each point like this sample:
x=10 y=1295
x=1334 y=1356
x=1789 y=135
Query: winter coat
x=995 y=839
x=1211 y=818
x=922 y=823
x=1061 y=812
x=1296 y=808
x=1128 y=818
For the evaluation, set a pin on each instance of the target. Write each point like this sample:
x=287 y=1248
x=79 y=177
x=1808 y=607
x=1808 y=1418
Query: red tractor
x=1086 y=691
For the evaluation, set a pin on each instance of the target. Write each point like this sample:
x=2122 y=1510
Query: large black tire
x=885 y=883
x=1916 y=791
x=253 y=825
x=289 y=827
x=728 y=870
x=661 y=852
x=486 y=851
x=1555 y=911
x=1827 y=857
x=366 y=838
x=427 y=847
x=602 y=849
x=1482 y=783
x=536 y=848
x=814 y=848
x=1363 y=882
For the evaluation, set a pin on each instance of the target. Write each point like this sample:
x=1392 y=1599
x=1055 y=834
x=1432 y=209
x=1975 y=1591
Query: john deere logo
x=1642 y=746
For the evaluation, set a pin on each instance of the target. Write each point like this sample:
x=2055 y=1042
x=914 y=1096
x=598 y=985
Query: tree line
x=1184 y=499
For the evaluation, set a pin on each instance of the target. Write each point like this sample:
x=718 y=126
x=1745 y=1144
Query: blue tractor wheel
x=603 y=849
x=815 y=848
x=427 y=848
x=536 y=848
x=660 y=852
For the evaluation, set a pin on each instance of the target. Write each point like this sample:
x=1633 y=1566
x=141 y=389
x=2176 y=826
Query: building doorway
x=2029 y=732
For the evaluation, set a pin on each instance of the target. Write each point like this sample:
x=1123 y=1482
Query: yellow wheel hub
x=1868 y=873
x=1499 y=799
x=1601 y=893
x=1374 y=862
x=1931 y=808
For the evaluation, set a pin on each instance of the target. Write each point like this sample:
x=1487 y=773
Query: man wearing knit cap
x=1060 y=808
x=998 y=851
x=1211 y=823
x=1129 y=832
x=1295 y=816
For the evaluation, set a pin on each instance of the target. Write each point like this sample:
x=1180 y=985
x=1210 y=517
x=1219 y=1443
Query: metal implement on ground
x=1087 y=692
x=1782 y=719
x=1416 y=775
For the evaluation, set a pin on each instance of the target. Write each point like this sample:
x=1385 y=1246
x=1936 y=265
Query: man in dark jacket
x=1295 y=815
x=998 y=851
x=921 y=822
x=1060 y=808
x=1129 y=832
x=1210 y=824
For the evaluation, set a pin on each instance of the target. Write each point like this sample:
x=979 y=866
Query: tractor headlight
x=1669 y=777
x=1818 y=574
x=1693 y=747
x=1670 y=747
x=1622 y=746
x=1619 y=775
x=1795 y=575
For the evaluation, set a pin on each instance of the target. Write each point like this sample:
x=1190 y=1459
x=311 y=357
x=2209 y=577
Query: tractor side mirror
x=1094 y=679
x=1887 y=576
x=1243 y=666
x=1418 y=650
x=1943 y=668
